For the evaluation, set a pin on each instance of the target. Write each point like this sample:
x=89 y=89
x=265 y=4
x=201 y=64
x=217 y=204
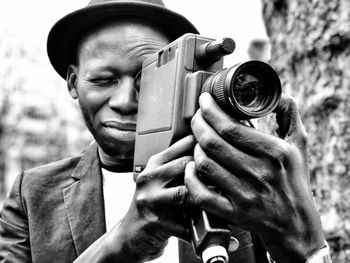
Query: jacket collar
x=84 y=201
x=89 y=160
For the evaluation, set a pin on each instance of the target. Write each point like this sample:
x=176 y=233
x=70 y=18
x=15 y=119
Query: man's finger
x=200 y=196
x=220 y=150
x=175 y=197
x=236 y=182
x=248 y=140
x=170 y=173
x=180 y=148
x=290 y=126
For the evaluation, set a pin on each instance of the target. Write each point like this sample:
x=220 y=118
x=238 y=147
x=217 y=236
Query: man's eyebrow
x=148 y=41
x=145 y=47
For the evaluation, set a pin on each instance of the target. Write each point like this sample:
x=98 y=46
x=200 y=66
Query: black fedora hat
x=65 y=34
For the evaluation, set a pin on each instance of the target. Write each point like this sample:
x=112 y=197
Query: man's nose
x=124 y=97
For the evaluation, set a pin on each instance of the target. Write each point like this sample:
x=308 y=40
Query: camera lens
x=248 y=90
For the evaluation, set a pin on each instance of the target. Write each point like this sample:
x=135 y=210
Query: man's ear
x=72 y=80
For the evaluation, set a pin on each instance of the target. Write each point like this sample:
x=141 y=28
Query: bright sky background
x=238 y=19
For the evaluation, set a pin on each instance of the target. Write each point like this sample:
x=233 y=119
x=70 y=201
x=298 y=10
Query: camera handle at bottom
x=211 y=237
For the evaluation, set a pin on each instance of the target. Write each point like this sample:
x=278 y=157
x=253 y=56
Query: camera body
x=174 y=77
x=171 y=83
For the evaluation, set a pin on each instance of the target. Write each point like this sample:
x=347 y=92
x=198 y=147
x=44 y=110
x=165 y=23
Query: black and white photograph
x=175 y=131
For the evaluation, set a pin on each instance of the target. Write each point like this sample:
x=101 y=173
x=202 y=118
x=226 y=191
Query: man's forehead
x=121 y=43
x=121 y=30
x=133 y=47
x=122 y=35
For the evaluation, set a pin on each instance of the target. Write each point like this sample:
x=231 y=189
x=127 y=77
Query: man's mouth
x=123 y=126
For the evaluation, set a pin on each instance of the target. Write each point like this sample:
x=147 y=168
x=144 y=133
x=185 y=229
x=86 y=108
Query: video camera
x=171 y=82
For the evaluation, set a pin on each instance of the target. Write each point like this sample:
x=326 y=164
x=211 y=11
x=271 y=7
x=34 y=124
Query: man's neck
x=115 y=163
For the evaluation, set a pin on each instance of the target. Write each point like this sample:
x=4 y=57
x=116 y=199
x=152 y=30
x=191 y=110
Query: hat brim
x=65 y=34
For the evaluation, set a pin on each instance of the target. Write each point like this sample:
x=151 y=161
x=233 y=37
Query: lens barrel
x=247 y=90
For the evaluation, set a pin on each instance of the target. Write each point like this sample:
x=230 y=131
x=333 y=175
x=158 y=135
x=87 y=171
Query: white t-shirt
x=118 y=191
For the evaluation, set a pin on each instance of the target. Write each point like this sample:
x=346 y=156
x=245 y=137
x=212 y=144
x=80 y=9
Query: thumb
x=290 y=126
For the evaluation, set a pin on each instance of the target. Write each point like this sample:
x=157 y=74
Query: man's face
x=107 y=81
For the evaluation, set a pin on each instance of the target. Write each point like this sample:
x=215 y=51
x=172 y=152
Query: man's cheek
x=92 y=103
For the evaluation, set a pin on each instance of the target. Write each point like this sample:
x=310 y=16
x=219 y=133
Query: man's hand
x=263 y=179
x=156 y=212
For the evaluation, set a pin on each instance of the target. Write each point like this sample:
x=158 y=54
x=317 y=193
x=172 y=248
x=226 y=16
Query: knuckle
x=249 y=199
x=279 y=158
x=154 y=159
x=141 y=200
x=210 y=144
x=281 y=154
x=203 y=164
x=180 y=197
x=143 y=179
x=265 y=179
x=185 y=160
x=182 y=162
x=227 y=131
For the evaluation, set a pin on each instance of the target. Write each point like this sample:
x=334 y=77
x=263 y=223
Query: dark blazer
x=54 y=212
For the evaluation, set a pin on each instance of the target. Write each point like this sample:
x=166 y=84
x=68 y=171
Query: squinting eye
x=104 y=81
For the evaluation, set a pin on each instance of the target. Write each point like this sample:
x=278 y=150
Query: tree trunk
x=310 y=49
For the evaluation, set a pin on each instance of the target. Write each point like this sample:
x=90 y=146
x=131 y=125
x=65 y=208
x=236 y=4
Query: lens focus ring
x=219 y=90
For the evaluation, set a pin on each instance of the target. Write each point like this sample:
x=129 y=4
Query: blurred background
x=307 y=42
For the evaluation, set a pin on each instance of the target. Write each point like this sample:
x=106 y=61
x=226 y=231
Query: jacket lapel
x=84 y=201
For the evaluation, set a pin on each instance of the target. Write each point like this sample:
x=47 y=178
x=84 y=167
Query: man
x=66 y=210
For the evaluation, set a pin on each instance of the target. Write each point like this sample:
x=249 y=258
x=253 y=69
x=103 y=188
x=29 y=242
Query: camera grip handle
x=209 y=235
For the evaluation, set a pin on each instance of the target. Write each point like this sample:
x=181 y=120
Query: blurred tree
x=38 y=121
x=4 y=105
x=310 y=48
